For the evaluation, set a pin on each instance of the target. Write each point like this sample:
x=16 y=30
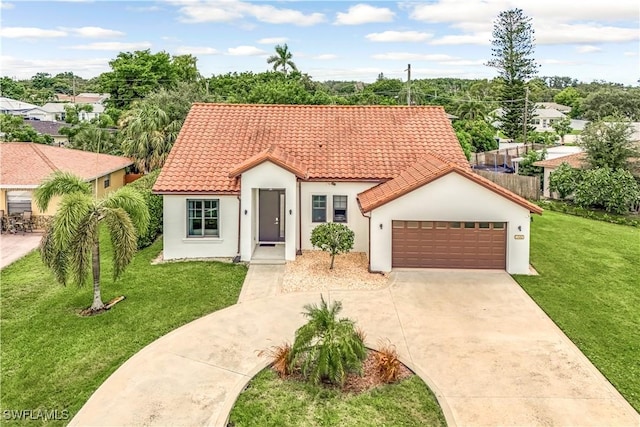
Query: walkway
x=15 y=246
x=490 y=355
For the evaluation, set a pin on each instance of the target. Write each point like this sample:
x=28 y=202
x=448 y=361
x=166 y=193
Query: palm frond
x=133 y=203
x=59 y=184
x=123 y=238
x=73 y=209
x=54 y=257
x=82 y=245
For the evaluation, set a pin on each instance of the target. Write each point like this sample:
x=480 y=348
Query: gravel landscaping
x=310 y=272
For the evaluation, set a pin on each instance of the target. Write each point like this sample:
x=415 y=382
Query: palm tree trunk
x=97 y=298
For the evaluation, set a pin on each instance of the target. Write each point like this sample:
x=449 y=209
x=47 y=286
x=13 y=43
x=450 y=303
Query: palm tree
x=282 y=58
x=148 y=136
x=96 y=139
x=71 y=245
x=327 y=348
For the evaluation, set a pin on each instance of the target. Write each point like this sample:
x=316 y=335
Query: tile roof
x=334 y=142
x=426 y=170
x=275 y=155
x=26 y=164
x=576 y=160
x=46 y=127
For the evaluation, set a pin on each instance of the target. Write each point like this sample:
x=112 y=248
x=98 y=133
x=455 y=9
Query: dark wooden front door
x=444 y=244
x=270 y=221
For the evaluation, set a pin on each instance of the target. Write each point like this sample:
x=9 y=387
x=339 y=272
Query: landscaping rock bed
x=310 y=272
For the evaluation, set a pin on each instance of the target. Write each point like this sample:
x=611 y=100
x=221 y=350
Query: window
x=319 y=208
x=454 y=225
x=483 y=225
x=107 y=181
x=202 y=218
x=339 y=208
x=469 y=225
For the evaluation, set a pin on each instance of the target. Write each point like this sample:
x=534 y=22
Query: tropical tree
x=608 y=144
x=71 y=245
x=90 y=137
x=334 y=238
x=282 y=59
x=148 y=135
x=562 y=127
x=513 y=47
x=326 y=347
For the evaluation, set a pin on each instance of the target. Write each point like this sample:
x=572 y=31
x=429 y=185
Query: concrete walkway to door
x=488 y=352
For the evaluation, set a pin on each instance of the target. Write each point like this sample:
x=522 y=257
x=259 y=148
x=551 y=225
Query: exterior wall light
x=245 y=211
x=380 y=226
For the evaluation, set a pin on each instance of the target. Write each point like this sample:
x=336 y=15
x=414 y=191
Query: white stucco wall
x=452 y=198
x=267 y=176
x=355 y=220
x=178 y=245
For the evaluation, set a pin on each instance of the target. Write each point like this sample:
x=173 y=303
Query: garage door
x=441 y=244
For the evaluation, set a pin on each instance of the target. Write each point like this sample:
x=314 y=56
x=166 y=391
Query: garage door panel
x=440 y=244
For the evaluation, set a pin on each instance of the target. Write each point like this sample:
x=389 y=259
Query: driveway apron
x=489 y=353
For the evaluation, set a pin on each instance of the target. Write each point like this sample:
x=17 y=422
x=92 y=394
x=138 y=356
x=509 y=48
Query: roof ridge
x=44 y=157
x=421 y=107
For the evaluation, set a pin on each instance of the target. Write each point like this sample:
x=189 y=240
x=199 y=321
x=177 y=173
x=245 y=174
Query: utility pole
x=524 y=117
x=408 y=70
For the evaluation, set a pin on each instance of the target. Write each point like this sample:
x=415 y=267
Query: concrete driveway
x=15 y=246
x=490 y=355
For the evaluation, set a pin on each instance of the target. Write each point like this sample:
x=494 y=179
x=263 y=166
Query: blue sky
x=585 y=39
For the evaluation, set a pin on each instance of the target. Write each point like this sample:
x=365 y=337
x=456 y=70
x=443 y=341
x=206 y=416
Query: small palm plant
x=327 y=348
x=71 y=245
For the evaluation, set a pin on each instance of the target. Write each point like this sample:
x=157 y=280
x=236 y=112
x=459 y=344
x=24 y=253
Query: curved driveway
x=490 y=355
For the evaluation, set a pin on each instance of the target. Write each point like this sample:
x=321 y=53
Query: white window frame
x=203 y=218
x=313 y=208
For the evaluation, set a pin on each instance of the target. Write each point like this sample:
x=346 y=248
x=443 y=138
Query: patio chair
x=15 y=225
x=3 y=222
x=27 y=221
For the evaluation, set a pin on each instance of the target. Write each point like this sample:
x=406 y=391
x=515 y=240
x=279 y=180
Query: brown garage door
x=440 y=244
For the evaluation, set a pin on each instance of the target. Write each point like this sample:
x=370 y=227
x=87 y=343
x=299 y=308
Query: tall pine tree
x=512 y=52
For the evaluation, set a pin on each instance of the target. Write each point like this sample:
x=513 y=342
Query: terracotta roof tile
x=329 y=142
x=577 y=161
x=426 y=170
x=275 y=155
x=27 y=164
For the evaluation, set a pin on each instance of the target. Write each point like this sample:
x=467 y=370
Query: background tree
x=91 y=137
x=15 y=128
x=148 y=135
x=71 y=245
x=512 y=51
x=482 y=134
x=282 y=59
x=562 y=127
x=564 y=180
x=608 y=144
x=327 y=348
x=612 y=102
x=334 y=238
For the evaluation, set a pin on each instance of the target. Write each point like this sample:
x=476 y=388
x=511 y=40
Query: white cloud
x=584 y=33
x=231 y=10
x=325 y=57
x=196 y=50
x=143 y=8
x=273 y=40
x=6 y=6
x=94 y=32
x=115 y=46
x=30 y=33
x=407 y=56
x=399 y=36
x=630 y=53
x=364 y=14
x=245 y=51
x=25 y=68
x=477 y=39
x=552 y=61
x=588 y=49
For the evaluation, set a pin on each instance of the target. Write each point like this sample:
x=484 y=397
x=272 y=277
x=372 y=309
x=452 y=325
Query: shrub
x=280 y=356
x=154 y=203
x=387 y=363
x=614 y=191
x=327 y=348
x=333 y=238
x=564 y=180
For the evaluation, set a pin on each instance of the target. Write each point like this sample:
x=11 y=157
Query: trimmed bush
x=333 y=238
x=154 y=203
x=564 y=180
x=614 y=191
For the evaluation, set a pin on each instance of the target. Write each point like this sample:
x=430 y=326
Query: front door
x=271 y=220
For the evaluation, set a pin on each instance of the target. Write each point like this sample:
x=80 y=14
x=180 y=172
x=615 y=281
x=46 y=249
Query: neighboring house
x=554 y=105
x=50 y=128
x=24 y=165
x=576 y=160
x=83 y=98
x=23 y=109
x=59 y=112
x=243 y=176
x=542 y=117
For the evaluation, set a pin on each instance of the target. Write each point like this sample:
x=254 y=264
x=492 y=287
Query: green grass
x=53 y=359
x=589 y=284
x=271 y=401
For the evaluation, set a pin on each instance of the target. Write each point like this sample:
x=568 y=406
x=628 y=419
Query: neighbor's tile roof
x=577 y=161
x=27 y=163
x=426 y=170
x=275 y=155
x=331 y=142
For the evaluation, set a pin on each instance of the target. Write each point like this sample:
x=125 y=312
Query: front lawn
x=589 y=284
x=53 y=359
x=271 y=401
